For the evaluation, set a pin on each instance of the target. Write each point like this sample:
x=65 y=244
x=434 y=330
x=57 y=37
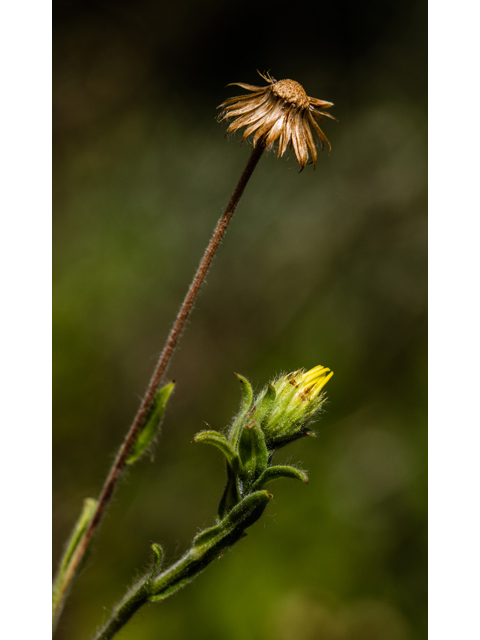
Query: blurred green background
x=323 y=267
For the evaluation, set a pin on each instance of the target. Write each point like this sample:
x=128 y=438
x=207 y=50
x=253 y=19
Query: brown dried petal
x=251 y=129
x=254 y=125
x=309 y=139
x=243 y=121
x=274 y=133
x=246 y=107
x=299 y=143
x=270 y=119
x=320 y=134
x=247 y=96
x=320 y=103
x=286 y=133
x=318 y=115
x=249 y=87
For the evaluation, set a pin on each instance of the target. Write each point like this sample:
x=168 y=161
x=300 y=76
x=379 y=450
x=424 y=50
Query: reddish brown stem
x=125 y=449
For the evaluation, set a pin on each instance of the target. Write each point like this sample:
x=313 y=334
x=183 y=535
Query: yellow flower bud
x=287 y=406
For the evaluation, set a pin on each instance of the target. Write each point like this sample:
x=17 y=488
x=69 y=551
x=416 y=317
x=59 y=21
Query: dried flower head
x=281 y=110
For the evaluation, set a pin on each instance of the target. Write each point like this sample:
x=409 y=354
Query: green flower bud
x=286 y=407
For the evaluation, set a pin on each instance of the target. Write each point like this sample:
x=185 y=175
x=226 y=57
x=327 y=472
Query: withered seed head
x=292 y=92
x=280 y=111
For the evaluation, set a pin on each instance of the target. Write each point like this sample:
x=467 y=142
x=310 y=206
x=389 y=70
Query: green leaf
x=158 y=553
x=61 y=584
x=231 y=494
x=274 y=473
x=152 y=422
x=218 y=440
x=247 y=397
x=253 y=453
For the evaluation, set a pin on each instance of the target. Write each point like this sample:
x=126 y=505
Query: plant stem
x=206 y=547
x=174 y=578
x=170 y=581
x=125 y=449
x=137 y=597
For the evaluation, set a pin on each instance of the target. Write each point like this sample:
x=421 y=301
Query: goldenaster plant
x=281 y=413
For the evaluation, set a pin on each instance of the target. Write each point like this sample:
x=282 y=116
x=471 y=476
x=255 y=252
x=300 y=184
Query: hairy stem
x=126 y=448
x=137 y=597
x=206 y=547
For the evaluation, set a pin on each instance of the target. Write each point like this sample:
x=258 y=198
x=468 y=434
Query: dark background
x=323 y=267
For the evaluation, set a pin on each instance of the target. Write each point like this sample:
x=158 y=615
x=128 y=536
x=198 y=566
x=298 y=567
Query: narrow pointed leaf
x=61 y=584
x=158 y=553
x=261 y=453
x=274 y=473
x=253 y=452
x=218 y=440
x=152 y=422
x=247 y=397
